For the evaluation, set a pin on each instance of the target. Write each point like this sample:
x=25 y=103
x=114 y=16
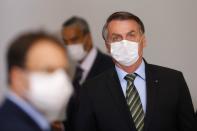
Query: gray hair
x=77 y=21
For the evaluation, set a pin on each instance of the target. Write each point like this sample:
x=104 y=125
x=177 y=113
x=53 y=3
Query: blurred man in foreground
x=39 y=88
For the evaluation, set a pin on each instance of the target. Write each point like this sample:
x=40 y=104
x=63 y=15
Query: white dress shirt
x=87 y=63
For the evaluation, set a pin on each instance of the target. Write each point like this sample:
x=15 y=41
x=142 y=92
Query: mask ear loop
x=140 y=42
x=85 y=37
x=87 y=42
x=140 y=39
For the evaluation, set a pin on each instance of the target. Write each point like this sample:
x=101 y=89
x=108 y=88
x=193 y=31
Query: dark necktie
x=77 y=78
x=134 y=102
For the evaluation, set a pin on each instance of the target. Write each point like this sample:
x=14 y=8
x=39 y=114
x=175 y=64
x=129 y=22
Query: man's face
x=74 y=35
x=125 y=30
x=43 y=56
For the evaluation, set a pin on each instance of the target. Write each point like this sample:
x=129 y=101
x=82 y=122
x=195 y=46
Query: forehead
x=71 y=31
x=122 y=26
x=44 y=55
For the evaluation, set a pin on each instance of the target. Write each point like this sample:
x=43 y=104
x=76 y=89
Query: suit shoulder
x=99 y=79
x=104 y=58
x=13 y=118
x=163 y=70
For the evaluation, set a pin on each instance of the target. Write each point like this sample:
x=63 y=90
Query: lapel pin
x=156 y=81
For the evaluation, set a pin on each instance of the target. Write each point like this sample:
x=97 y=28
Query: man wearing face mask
x=90 y=61
x=39 y=88
x=133 y=95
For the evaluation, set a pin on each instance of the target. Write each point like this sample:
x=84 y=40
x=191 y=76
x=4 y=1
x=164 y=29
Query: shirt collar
x=30 y=110
x=89 y=60
x=140 y=71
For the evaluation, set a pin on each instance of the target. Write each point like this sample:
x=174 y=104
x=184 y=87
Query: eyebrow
x=131 y=32
x=50 y=69
x=74 y=38
x=115 y=34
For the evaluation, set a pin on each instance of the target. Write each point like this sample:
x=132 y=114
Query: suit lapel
x=152 y=83
x=95 y=67
x=119 y=99
x=151 y=86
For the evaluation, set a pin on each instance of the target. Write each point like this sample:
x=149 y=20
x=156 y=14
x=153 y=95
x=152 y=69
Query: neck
x=132 y=68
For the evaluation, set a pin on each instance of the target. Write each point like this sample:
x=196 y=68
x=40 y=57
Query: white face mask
x=49 y=93
x=125 y=52
x=76 y=51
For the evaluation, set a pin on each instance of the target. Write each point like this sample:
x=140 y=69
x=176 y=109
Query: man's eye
x=114 y=39
x=131 y=35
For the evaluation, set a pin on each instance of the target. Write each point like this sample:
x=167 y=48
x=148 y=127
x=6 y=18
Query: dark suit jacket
x=12 y=118
x=196 y=113
x=103 y=107
x=101 y=63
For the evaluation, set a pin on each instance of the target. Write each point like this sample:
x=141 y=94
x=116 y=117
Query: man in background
x=78 y=42
x=39 y=88
x=90 y=61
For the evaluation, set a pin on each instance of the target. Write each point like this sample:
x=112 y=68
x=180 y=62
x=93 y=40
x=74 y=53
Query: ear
x=18 y=80
x=144 y=42
x=88 y=42
x=108 y=47
x=88 y=37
